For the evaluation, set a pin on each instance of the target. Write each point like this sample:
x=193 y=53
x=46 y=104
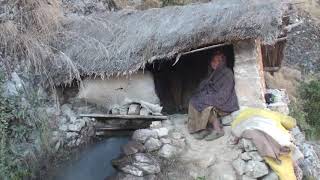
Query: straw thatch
x=122 y=42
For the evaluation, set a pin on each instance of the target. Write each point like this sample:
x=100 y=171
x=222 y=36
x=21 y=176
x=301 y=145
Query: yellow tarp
x=284 y=169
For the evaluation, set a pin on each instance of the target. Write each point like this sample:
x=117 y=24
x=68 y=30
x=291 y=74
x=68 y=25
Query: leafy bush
x=307 y=108
x=20 y=119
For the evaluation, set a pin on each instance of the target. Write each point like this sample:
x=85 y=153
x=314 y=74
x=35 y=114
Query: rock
x=162 y=132
x=132 y=170
x=62 y=120
x=144 y=112
x=271 y=176
x=167 y=151
x=134 y=109
x=298 y=135
x=141 y=135
x=178 y=142
x=147 y=163
x=245 y=177
x=14 y=86
x=239 y=165
x=71 y=135
x=176 y=135
x=226 y=120
x=247 y=145
x=156 y=124
x=63 y=127
x=152 y=144
x=123 y=110
x=310 y=165
x=124 y=176
x=255 y=156
x=256 y=169
x=67 y=111
x=245 y=156
x=165 y=141
x=77 y=126
x=133 y=147
x=115 y=111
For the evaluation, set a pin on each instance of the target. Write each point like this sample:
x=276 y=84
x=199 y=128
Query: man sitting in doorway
x=215 y=97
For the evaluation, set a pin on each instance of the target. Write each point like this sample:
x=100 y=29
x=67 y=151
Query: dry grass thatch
x=27 y=28
x=122 y=42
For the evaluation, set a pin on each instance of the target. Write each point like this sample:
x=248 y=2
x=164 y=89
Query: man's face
x=215 y=61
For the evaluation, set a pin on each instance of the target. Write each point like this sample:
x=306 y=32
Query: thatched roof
x=122 y=42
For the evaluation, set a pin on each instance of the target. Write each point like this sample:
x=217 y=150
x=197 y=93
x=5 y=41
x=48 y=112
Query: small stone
x=123 y=110
x=141 y=135
x=115 y=111
x=167 y=151
x=245 y=156
x=63 y=127
x=67 y=111
x=176 y=135
x=152 y=144
x=156 y=124
x=77 y=126
x=144 y=112
x=71 y=135
x=165 y=141
x=247 y=145
x=255 y=156
x=239 y=165
x=132 y=147
x=162 y=132
x=256 y=169
x=178 y=142
x=134 y=109
x=226 y=120
x=271 y=176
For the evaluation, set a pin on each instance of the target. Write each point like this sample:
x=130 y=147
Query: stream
x=94 y=162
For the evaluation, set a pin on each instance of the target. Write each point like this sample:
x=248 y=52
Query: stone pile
x=250 y=165
x=136 y=108
x=143 y=155
x=72 y=130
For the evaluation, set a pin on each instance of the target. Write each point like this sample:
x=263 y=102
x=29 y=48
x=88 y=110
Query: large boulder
x=139 y=164
x=152 y=144
x=141 y=135
x=167 y=151
x=132 y=147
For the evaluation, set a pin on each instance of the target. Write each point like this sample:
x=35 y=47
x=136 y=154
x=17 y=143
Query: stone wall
x=249 y=82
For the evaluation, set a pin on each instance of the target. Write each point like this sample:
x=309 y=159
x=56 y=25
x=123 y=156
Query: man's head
x=217 y=59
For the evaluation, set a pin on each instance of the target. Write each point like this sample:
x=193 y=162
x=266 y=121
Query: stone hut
x=171 y=46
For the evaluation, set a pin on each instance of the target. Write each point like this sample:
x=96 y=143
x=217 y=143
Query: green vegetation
x=307 y=108
x=24 y=134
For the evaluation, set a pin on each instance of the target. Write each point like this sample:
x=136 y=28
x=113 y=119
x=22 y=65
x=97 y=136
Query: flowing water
x=94 y=163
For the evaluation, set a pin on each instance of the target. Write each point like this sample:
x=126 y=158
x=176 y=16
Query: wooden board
x=126 y=117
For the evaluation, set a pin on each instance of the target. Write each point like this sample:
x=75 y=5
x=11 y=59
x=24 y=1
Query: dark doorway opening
x=175 y=84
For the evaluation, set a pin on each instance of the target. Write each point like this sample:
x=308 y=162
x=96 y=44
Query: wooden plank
x=118 y=128
x=198 y=50
x=126 y=117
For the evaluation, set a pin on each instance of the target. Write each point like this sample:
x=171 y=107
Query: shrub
x=20 y=119
x=307 y=108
